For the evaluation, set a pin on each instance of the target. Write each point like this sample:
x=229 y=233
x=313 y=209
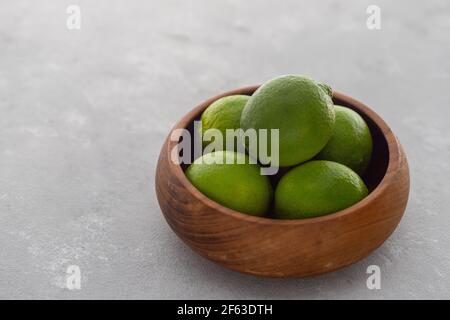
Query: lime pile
x=324 y=149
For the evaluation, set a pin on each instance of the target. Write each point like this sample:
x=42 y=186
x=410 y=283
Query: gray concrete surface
x=83 y=114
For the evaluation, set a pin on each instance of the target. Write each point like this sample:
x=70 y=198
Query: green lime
x=317 y=188
x=223 y=114
x=350 y=143
x=300 y=108
x=228 y=178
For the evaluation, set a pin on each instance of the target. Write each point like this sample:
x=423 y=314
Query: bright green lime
x=300 y=108
x=237 y=186
x=350 y=143
x=224 y=113
x=317 y=188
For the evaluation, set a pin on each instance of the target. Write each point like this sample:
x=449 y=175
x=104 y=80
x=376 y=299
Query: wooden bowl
x=288 y=248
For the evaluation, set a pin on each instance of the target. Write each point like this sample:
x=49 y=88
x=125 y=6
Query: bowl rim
x=392 y=168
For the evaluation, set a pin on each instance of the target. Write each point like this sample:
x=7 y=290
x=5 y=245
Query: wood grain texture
x=288 y=248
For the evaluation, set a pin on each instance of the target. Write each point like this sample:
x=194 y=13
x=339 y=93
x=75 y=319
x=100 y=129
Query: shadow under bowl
x=287 y=248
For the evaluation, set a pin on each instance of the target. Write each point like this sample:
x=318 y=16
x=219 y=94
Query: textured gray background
x=83 y=115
